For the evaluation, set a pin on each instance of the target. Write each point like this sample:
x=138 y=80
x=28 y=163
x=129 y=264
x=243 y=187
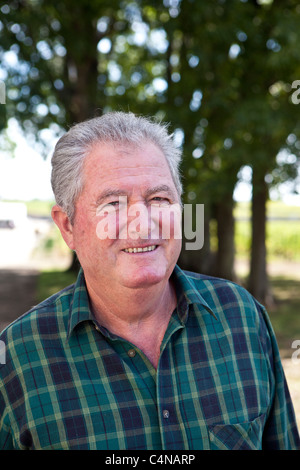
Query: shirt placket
x=170 y=419
x=141 y=375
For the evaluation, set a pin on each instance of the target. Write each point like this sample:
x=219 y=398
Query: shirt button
x=131 y=352
x=166 y=414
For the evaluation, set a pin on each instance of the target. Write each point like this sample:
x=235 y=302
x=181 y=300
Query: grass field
x=285 y=315
x=283 y=231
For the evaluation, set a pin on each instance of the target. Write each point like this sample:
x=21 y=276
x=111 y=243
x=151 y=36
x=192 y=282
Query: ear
x=63 y=222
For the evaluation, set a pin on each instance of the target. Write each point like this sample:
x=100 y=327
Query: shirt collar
x=186 y=291
x=80 y=305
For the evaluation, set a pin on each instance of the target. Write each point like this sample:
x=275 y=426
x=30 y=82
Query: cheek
x=167 y=221
x=84 y=235
x=177 y=247
x=107 y=227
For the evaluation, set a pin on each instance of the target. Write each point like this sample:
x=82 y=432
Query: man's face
x=140 y=178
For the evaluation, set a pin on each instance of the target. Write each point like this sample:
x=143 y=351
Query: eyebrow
x=163 y=188
x=149 y=192
x=109 y=193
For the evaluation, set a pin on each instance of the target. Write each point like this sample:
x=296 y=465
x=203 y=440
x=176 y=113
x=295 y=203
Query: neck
x=140 y=316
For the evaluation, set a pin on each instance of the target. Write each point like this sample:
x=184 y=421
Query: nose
x=139 y=223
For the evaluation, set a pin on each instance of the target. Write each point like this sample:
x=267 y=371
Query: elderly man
x=137 y=354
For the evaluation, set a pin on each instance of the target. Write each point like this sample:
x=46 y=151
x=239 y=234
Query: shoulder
x=47 y=319
x=223 y=289
x=236 y=310
x=226 y=298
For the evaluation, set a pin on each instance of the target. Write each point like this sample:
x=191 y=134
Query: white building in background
x=12 y=214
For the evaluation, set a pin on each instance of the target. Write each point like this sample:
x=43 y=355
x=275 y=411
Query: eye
x=107 y=208
x=160 y=201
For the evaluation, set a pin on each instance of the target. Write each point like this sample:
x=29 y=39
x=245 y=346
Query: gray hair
x=114 y=127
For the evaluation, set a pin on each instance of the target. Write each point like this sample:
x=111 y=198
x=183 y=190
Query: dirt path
x=17 y=293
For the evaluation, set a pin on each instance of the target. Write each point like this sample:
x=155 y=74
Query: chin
x=144 y=278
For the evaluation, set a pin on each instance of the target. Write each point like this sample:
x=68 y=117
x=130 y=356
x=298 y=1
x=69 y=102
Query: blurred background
x=224 y=73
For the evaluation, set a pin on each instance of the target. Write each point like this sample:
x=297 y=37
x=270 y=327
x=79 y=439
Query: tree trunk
x=81 y=99
x=258 y=283
x=225 y=231
x=199 y=261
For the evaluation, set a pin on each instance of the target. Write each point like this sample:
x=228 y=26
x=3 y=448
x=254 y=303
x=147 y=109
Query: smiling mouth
x=140 y=250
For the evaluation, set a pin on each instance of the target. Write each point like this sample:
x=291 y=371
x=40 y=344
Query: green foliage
x=283 y=232
x=39 y=208
x=226 y=70
x=283 y=239
x=285 y=313
x=220 y=72
x=51 y=282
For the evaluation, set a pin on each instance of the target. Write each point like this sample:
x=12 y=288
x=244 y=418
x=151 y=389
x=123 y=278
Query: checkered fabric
x=68 y=383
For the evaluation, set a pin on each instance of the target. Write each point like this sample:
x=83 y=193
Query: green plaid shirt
x=68 y=383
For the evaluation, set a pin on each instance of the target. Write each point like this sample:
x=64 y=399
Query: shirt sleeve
x=281 y=432
x=6 y=373
x=6 y=441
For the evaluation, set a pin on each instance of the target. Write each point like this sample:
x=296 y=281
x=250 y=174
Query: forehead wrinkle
x=108 y=193
x=160 y=188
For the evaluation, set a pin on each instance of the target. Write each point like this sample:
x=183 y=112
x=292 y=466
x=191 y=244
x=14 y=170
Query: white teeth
x=140 y=250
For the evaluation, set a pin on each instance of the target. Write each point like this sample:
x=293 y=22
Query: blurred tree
x=60 y=60
x=229 y=71
x=220 y=72
x=266 y=119
x=56 y=57
x=201 y=92
x=55 y=65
